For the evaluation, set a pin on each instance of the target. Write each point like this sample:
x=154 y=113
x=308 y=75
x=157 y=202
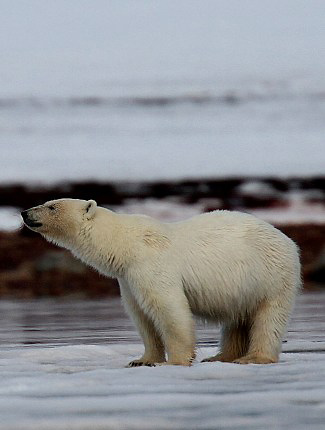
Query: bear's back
x=233 y=241
x=229 y=257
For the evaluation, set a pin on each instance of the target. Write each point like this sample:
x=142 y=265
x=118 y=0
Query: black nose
x=24 y=215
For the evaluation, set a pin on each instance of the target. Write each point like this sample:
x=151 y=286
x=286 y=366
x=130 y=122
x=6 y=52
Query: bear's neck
x=102 y=246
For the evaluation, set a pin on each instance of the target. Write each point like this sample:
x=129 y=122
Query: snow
x=255 y=188
x=167 y=210
x=295 y=210
x=125 y=91
x=49 y=381
x=10 y=219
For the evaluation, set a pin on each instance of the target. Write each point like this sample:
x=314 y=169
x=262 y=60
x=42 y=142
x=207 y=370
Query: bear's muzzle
x=29 y=221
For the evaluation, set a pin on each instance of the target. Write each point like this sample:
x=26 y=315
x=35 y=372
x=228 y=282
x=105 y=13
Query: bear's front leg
x=154 y=347
x=177 y=327
x=166 y=305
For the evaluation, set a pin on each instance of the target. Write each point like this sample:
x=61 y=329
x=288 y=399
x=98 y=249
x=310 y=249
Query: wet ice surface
x=62 y=367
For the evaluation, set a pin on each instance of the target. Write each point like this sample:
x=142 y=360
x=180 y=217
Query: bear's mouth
x=31 y=223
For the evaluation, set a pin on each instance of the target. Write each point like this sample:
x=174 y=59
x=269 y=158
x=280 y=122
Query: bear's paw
x=218 y=357
x=140 y=362
x=255 y=359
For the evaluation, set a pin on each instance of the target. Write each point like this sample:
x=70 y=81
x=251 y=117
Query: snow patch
x=10 y=218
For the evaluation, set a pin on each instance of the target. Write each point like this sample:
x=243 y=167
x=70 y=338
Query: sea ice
x=48 y=382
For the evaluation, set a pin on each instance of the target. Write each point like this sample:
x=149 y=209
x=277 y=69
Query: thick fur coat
x=227 y=267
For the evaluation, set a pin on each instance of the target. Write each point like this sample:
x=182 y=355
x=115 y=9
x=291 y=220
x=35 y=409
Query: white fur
x=227 y=267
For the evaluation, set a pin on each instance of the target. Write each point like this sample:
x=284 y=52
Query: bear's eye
x=52 y=208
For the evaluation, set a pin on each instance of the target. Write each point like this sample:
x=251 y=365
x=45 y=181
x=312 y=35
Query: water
x=50 y=323
x=142 y=90
x=62 y=367
x=54 y=322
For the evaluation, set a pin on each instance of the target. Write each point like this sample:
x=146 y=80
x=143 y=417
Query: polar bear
x=227 y=267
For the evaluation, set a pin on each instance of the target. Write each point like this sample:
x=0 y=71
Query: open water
x=131 y=90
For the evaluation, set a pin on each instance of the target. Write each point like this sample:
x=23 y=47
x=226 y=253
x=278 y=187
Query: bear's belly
x=220 y=303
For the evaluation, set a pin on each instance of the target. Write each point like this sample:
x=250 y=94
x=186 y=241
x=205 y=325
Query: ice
x=53 y=377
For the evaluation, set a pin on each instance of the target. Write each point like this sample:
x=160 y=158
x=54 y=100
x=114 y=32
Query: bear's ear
x=91 y=206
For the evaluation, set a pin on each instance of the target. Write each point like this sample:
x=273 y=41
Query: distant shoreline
x=232 y=192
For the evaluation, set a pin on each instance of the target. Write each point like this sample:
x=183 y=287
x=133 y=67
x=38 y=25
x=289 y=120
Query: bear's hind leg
x=267 y=330
x=234 y=342
x=154 y=348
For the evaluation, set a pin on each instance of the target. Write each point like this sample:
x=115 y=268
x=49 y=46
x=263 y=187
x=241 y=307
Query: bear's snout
x=28 y=220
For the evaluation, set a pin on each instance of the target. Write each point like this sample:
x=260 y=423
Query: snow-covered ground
x=62 y=367
x=296 y=210
x=145 y=90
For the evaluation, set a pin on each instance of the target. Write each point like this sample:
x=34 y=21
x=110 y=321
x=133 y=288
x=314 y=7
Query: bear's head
x=60 y=221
